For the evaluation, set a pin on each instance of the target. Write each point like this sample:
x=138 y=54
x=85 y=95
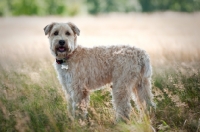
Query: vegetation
x=37 y=7
x=70 y=7
x=177 y=96
x=31 y=104
x=174 y=5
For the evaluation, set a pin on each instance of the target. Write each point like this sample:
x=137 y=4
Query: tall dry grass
x=31 y=98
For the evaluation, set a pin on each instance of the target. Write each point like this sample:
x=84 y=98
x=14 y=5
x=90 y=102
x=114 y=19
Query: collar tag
x=64 y=67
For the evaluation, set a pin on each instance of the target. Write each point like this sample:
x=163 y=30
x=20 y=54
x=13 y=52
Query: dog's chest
x=64 y=75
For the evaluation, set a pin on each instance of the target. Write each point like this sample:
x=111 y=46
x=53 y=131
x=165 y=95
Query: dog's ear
x=74 y=28
x=48 y=28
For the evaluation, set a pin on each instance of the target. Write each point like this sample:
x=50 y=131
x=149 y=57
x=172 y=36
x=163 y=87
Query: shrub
x=177 y=96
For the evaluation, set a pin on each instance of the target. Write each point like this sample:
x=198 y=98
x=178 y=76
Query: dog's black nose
x=61 y=42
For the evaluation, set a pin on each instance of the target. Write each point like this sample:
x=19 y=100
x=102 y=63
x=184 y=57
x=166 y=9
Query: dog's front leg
x=70 y=107
x=81 y=100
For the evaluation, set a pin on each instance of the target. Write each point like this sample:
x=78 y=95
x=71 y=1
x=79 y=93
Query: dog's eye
x=68 y=33
x=56 y=33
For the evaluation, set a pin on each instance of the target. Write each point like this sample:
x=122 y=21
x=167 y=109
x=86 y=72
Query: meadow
x=31 y=98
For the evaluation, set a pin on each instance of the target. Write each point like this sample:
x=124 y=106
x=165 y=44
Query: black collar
x=60 y=61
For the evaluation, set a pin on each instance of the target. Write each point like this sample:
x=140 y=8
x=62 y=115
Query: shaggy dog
x=81 y=70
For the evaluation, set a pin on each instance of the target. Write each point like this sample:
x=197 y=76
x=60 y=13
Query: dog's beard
x=61 y=55
x=60 y=52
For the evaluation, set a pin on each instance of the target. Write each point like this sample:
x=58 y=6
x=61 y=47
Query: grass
x=31 y=104
x=177 y=96
x=31 y=98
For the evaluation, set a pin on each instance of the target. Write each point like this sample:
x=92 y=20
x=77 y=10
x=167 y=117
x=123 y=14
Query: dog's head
x=62 y=38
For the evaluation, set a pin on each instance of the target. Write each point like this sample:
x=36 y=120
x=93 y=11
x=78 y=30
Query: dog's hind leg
x=142 y=89
x=144 y=96
x=121 y=95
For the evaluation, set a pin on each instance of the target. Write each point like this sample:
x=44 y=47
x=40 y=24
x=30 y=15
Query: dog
x=81 y=70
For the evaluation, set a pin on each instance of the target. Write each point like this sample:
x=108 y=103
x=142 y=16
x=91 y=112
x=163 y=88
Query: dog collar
x=60 y=61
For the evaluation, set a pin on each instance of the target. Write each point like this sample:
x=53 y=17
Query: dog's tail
x=144 y=84
x=146 y=70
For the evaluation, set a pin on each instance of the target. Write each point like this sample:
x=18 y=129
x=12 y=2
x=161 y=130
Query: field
x=31 y=98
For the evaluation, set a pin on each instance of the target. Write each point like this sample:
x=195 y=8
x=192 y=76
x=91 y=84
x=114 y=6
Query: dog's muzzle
x=61 y=49
x=62 y=46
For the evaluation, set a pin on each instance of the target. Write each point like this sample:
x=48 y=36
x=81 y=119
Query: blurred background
x=76 y=7
x=150 y=24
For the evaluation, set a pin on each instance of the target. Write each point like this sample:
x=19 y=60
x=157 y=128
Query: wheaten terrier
x=81 y=70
